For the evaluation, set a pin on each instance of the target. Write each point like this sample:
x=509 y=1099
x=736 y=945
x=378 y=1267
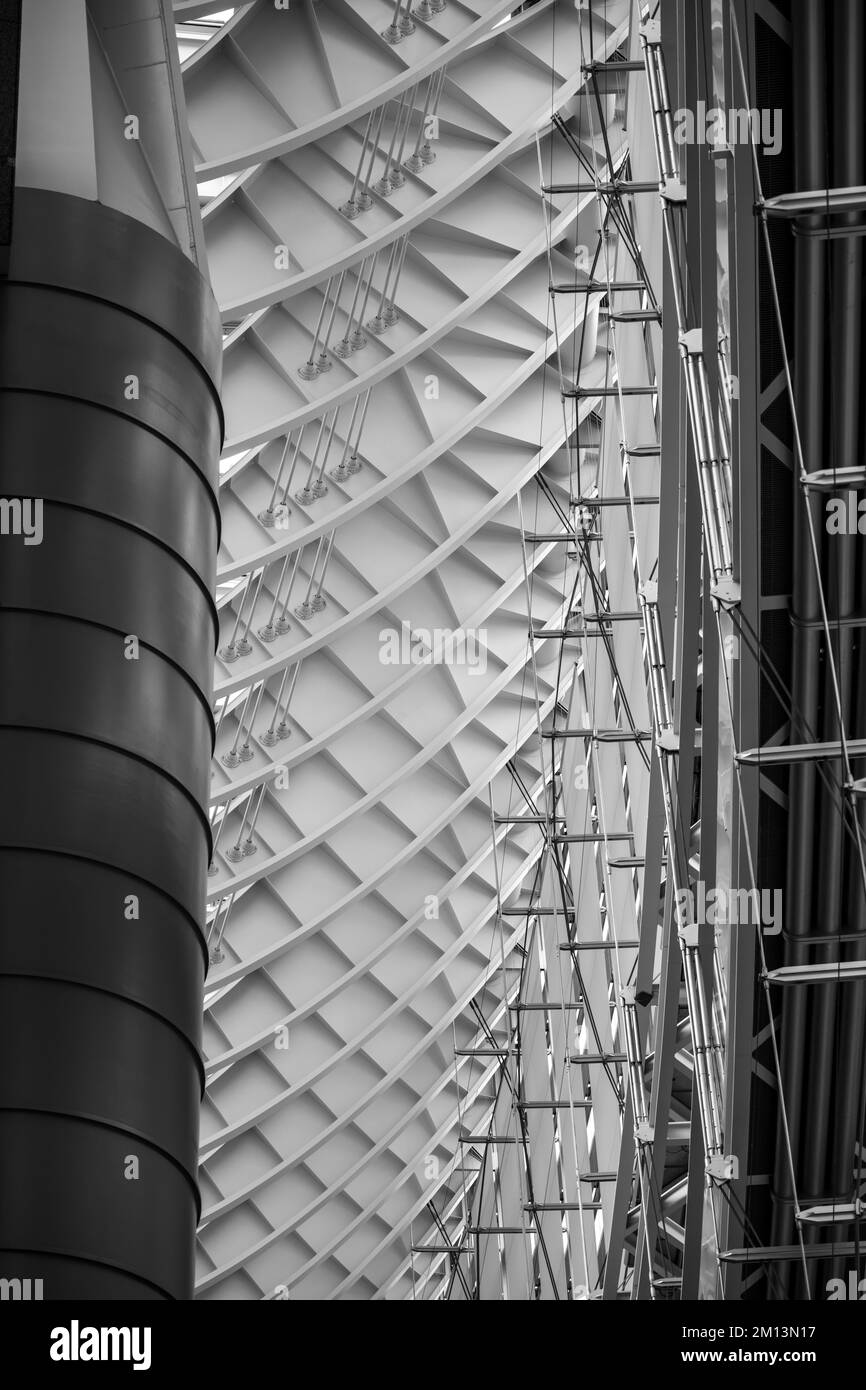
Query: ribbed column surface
x=110 y=430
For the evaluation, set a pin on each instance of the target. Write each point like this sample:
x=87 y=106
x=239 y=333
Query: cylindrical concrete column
x=110 y=430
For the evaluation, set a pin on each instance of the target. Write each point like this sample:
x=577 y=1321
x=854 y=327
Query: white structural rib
x=381 y=253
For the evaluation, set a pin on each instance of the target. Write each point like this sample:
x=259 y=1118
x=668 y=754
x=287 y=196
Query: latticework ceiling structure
x=359 y=956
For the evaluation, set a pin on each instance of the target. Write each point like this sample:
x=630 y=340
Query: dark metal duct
x=822 y=1039
x=109 y=413
x=810 y=327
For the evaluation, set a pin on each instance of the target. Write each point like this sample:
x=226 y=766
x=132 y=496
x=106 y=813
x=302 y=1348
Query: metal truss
x=659 y=1105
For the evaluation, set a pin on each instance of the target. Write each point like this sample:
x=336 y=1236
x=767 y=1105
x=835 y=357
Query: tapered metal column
x=110 y=430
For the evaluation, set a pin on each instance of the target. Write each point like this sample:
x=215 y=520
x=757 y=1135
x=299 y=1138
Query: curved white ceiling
x=353 y=894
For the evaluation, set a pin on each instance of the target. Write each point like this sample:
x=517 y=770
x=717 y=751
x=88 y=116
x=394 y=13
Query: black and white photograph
x=432 y=672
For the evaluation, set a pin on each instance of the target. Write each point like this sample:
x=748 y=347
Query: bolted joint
x=726 y=592
x=692 y=342
x=672 y=190
x=649 y=593
x=689 y=936
x=723 y=1168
